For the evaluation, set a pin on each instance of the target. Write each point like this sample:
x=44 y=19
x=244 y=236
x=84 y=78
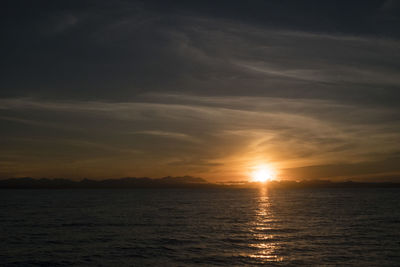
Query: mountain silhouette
x=174 y=182
x=129 y=182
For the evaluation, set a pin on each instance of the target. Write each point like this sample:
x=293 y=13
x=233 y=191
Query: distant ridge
x=330 y=184
x=128 y=182
x=176 y=182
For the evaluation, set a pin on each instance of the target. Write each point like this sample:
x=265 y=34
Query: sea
x=200 y=227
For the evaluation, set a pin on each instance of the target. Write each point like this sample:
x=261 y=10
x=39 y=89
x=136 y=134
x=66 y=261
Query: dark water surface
x=183 y=227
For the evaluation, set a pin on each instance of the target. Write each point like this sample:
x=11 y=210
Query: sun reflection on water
x=265 y=245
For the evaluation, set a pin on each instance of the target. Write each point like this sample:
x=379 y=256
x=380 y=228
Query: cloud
x=174 y=135
x=122 y=54
x=202 y=87
x=218 y=130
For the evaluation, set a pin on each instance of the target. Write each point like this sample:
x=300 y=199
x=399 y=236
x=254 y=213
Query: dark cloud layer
x=199 y=87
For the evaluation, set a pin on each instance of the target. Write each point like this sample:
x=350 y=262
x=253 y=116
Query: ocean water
x=200 y=227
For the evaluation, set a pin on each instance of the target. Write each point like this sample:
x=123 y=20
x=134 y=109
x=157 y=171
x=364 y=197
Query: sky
x=102 y=89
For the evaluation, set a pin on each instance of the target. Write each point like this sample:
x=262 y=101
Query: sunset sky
x=104 y=89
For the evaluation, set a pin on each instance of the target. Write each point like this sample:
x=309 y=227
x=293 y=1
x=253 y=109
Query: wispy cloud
x=291 y=132
x=174 y=135
x=153 y=92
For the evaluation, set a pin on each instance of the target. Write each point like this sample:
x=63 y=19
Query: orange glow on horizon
x=264 y=173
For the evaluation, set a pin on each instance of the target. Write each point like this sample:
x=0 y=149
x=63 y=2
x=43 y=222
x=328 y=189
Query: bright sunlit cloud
x=263 y=173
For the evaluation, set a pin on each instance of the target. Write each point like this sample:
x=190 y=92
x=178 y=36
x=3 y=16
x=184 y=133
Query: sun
x=263 y=173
